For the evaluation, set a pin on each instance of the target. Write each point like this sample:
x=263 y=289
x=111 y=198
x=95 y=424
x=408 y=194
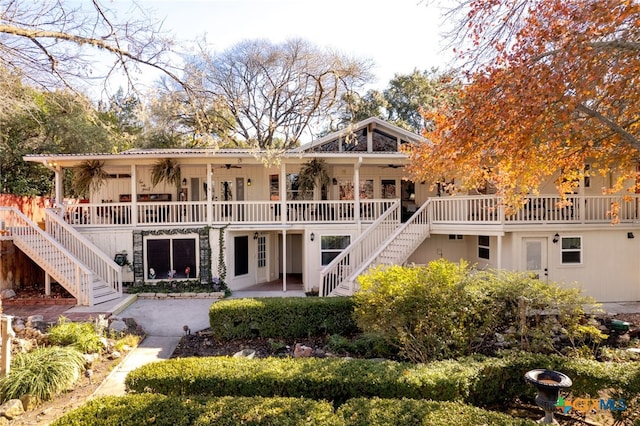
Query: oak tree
x=550 y=86
x=274 y=92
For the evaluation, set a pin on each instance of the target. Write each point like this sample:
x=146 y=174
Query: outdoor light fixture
x=255 y=236
x=184 y=181
x=630 y=235
x=249 y=182
x=556 y=238
x=313 y=236
x=334 y=181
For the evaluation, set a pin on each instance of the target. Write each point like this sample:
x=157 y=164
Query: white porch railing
x=589 y=209
x=52 y=257
x=234 y=212
x=343 y=265
x=83 y=249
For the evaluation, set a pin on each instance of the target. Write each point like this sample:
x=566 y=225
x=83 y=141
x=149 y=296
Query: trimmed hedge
x=411 y=412
x=332 y=379
x=476 y=381
x=282 y=317
x=147 y=409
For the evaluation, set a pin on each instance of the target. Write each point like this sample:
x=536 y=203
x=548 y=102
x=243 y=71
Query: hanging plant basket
x=89 y=175
x=167 y=170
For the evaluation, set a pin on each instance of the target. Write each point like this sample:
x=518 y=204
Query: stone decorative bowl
x=548 y=383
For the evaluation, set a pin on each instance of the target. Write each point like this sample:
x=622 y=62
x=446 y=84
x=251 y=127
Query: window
x=293 y=186
x=366 y=189
x=169 y=258
x=331 y=246
x=571 y=249
x=388 y=188
x=274 y=188
x=483 y=247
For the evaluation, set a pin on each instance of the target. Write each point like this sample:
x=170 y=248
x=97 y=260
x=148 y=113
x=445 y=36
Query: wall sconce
x=313 y=236
x=249 y=182
x=630 y=235
x=255 y=235
x=334 y=181
x=184 y=181
x=556 y=238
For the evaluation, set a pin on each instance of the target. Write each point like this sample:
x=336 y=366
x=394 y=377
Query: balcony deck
x=444 y=212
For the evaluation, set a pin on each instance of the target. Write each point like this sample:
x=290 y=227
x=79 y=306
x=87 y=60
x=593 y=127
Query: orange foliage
x=562 y=91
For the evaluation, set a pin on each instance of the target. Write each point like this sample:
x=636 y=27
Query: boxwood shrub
x=160 y=410
x=476 y=381
x=282 y=317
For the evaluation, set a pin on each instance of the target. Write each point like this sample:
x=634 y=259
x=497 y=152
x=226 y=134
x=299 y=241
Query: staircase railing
x=82 y=248
x=343 y=265
x=52 y=257
x=410 y=234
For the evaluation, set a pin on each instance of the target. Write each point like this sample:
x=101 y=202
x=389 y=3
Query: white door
x=262 y=274
x=535 y=257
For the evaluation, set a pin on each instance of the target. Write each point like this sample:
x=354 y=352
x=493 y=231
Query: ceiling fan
x=392 y=166
x=230 y=166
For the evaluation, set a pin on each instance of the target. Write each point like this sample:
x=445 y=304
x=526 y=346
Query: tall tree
x=276 y=92
x=404 y=100
x=56 y=43
x=552 y=85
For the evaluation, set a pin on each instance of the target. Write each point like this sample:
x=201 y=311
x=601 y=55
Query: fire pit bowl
x=549 y=383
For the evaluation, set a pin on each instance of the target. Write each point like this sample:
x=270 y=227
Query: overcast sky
x=398 y=35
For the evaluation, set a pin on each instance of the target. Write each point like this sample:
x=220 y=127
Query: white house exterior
x=269 y=230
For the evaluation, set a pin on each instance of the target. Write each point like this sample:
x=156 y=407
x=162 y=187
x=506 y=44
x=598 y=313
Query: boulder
x=302 y=351
x=11 y=409
x=118 y=326
x=7 y=293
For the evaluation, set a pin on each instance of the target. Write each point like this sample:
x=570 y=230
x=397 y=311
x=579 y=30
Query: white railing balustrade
x=344 y=264
x=49 y=254
x=234 y=212
x=84 y=250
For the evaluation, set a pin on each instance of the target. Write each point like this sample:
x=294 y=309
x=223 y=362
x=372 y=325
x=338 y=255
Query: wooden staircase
x=65 y=256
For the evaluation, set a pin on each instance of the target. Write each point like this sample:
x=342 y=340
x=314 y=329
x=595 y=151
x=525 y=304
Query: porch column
x=356 y=191
x=59 y=186
x=209 y=195
x=283 y=216
x=134 y=195
x=284 y=259
x=499 y=257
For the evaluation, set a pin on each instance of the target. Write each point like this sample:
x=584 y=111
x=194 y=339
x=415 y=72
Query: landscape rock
x=7 y=293
x=302 y=351
x=245 y=353
x=11 y=409
x=118 y=326
x=29 y=402
x=115 y=355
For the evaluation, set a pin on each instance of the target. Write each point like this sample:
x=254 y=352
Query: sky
x=397 y=35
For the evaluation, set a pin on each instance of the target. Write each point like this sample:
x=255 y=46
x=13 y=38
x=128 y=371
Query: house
x=231 y=215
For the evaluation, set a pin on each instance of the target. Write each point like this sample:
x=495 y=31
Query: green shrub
x=477 y=381
x=367 y=345
x=159 y=410
x=409 y=412
x=282 y=317
x=330 y=379
x=447 y=310
x=79 y=335
x=42 y=373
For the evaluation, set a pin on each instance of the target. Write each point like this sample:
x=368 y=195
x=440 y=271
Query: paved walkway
x=164 y=321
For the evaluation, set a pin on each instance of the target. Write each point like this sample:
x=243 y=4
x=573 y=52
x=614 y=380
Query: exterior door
x=262 y=274
x=535 y=257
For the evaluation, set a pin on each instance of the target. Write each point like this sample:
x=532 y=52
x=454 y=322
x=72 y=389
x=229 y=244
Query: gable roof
x=359 y=130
